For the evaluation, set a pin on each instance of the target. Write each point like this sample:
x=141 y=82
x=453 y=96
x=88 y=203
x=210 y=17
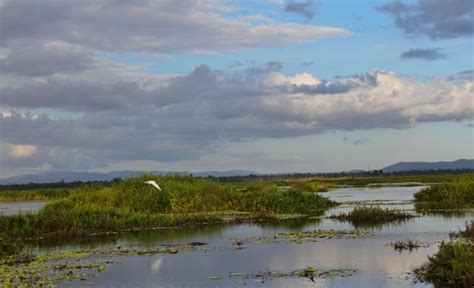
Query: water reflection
x=385 y=194
x=376 y=261
x=375 y=225
x=155 y=265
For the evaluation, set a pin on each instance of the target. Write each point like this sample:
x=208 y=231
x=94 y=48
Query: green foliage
x=63 y=218
x=458 y=194
x=452 y=266
x=288 y=201
x=130 y=204
x=373 y=214
x=8 y=247
x=34 y=194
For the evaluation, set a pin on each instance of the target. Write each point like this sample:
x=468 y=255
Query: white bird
x=153 y=183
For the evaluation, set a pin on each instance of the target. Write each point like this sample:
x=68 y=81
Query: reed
x=373 y=214
x=130 y=204
x=457 y=194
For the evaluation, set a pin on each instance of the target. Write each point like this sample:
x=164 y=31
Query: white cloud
x=51 y=68
x=184 y=117
x=156 y=27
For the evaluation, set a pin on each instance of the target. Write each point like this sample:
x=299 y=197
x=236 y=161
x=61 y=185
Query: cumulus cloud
x=155 y=27
x=428 y=54
x=63 y=105
x=185 y=117
x=29 y=58
x=436 y=19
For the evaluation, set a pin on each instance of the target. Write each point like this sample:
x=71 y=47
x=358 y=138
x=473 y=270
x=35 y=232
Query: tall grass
x=451 y=266
x=130 y=204
x=373 y=214
x=34 y=194
x=458 y=194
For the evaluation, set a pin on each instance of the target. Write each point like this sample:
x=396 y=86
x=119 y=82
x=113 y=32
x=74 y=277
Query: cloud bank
x=155 y=27
x=63 y=105
x=436 y=19
x=116 y=113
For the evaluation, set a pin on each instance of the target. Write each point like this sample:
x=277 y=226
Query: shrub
x=452 y=266
x=458 y=194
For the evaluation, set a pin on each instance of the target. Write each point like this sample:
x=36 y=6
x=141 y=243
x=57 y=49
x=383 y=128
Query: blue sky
x=268 y=86
x=375 y=43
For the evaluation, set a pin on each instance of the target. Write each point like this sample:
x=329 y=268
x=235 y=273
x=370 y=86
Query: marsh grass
x=454 y=195
x=131 y=205
x=372 y=214
x=34 y=194
x=453 y=264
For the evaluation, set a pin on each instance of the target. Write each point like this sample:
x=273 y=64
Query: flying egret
x=153 y=183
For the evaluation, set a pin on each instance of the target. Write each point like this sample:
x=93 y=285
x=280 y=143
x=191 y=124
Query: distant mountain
x=424 y=166
x=71 y=176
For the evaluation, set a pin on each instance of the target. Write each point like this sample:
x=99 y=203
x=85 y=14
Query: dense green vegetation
x=453 y=264
x=307 y=182
x=457 y=194
x=34 y=194
x=372 y=214
x=132 y=205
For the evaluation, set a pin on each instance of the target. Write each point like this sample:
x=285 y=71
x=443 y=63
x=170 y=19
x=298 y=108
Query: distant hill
x=71 y=176
x=425 y=166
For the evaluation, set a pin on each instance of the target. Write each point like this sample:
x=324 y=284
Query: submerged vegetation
x=372 y=214
x=299 y=237
x=409 y=245
x=457 y=194
x=129 y=204
x=309 y=272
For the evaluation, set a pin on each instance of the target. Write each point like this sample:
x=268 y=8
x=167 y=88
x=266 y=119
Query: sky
x=270 y=86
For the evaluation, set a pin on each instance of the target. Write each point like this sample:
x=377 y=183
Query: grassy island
x=372 y=214
x=130 y=205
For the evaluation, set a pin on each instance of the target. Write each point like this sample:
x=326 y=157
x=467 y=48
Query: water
x=376 y=263
x=11 y=208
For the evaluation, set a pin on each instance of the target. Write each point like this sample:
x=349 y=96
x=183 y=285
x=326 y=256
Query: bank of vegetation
x=130 y=204
x=38 y=194
x=453 y=264
x=453 y=195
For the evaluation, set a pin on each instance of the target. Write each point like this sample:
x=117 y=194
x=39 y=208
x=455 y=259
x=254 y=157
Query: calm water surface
x=11 y=208
x=376 y=263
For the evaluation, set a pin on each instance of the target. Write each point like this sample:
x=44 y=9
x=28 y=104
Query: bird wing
x=156 y=185
x=153 y=183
